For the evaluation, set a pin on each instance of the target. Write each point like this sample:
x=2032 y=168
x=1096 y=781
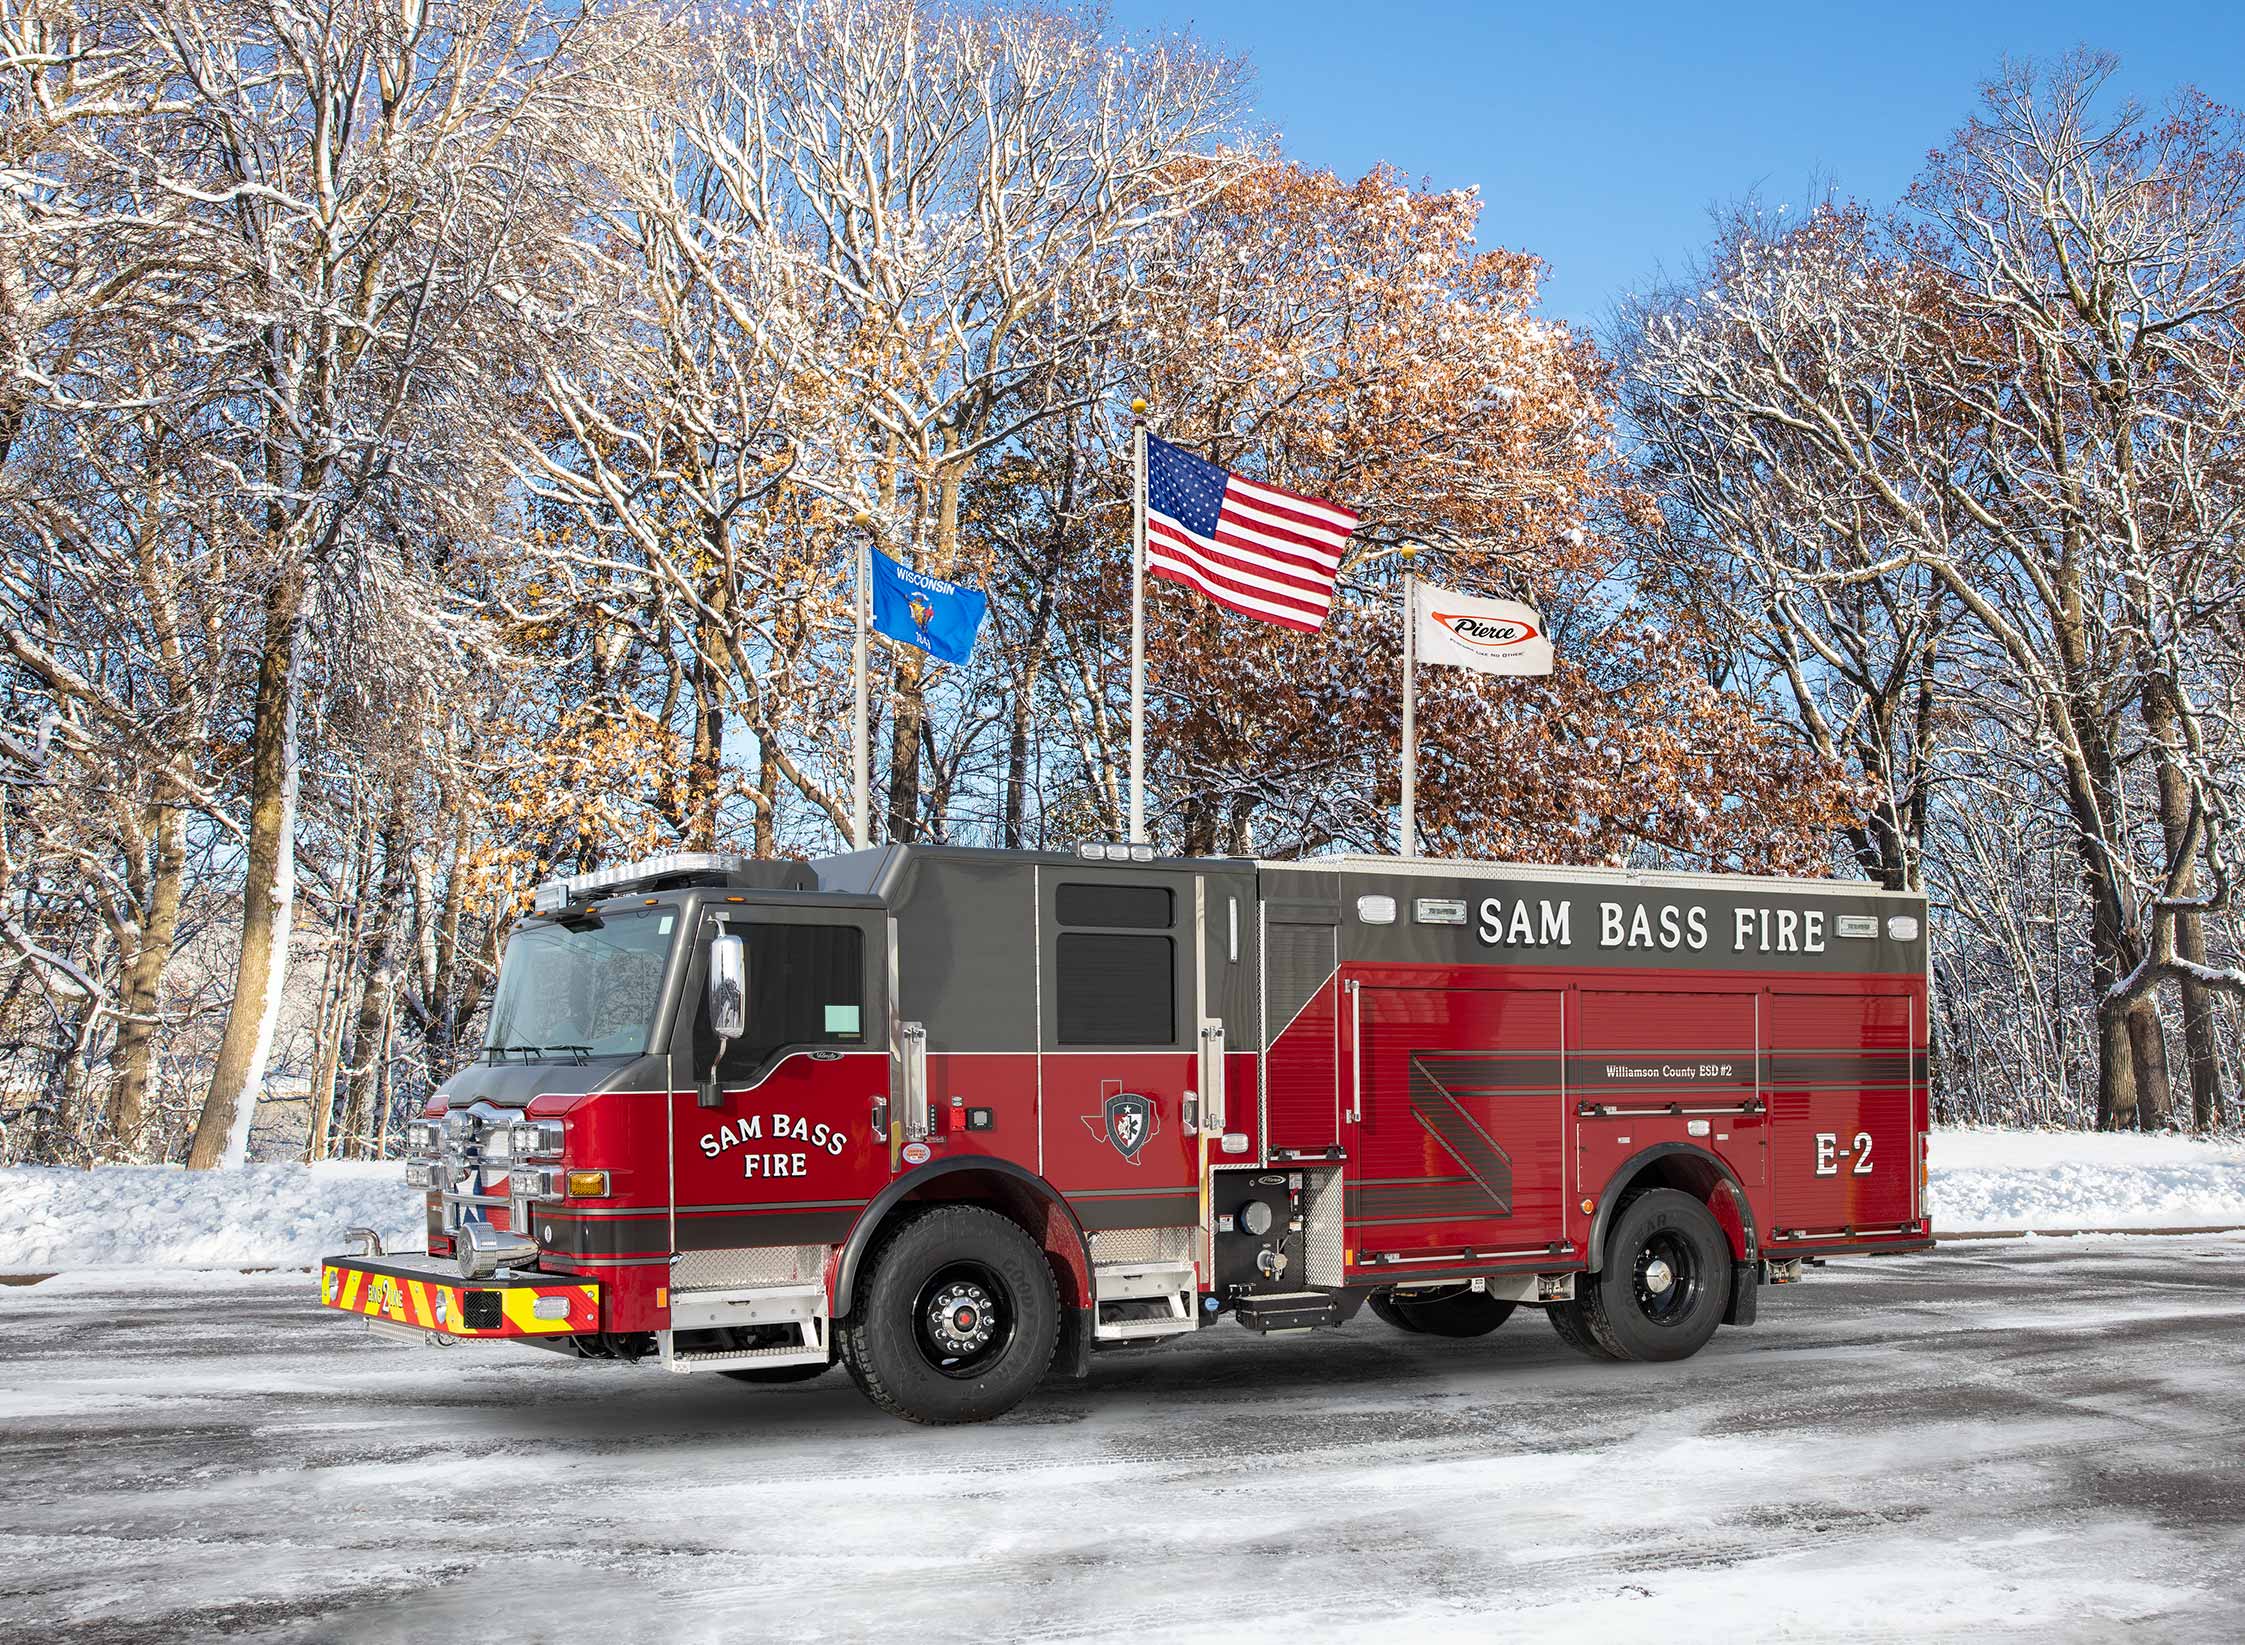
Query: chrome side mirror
x=728 y=987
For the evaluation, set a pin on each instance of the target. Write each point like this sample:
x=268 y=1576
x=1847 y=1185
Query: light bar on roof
x=1114 y=851
x=556 y=895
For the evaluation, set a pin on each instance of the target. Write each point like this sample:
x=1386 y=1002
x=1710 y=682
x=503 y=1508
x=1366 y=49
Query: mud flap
x=1072 y=1359
x=1746 y=1291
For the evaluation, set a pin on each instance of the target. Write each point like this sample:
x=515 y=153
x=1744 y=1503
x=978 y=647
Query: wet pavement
x=2039 y=1440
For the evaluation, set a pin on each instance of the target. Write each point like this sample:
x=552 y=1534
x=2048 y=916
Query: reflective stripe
x=414 y=1302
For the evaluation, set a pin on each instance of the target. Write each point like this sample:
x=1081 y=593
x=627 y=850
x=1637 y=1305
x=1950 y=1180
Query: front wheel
x=957 y=1319
x=1666 y=1280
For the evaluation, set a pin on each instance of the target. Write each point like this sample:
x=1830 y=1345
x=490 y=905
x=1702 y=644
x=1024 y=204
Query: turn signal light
x=588 y=1185
x=1588 y=1206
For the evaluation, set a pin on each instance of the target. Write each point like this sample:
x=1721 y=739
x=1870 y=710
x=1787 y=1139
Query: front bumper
x=423 y=1295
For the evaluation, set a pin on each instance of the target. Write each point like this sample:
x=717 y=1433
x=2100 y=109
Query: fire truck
x=961 y=1119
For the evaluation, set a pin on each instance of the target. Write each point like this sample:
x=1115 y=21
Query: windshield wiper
x=577 y=1053
x=500 y=1053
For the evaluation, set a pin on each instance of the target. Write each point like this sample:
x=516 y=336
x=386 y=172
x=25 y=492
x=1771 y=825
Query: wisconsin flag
x=1494 y=636
x=939 y=617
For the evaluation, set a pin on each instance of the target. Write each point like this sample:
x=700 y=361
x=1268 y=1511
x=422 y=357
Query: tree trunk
x=2116 y=1077
x=443 y=1000
x=2116 y=1067
x=909 y=714
x=268 y=888
x=2201 y=1043
x=2201 y=1034
x=369 y=1035
x=384 y=1098
x=134 y=1055
x=907 y=709
x=765 y=841
x=705 y=764
x=2147 y=1044
x=328 y=1054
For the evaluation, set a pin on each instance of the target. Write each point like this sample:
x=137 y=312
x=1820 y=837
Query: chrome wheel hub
x=1659 y=1276
x=960 y=1318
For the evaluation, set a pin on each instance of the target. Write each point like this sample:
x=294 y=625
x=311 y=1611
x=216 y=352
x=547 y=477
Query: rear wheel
x=1382 y=1303
x=1460 y=1311
x=1665 y=1283
x=1568 y=1320
x=956 y=1319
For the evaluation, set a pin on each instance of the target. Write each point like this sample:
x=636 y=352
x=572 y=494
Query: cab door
x=1119 y=1036
x=797 y=1142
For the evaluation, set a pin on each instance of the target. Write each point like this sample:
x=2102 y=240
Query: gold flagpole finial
x=1138 y=408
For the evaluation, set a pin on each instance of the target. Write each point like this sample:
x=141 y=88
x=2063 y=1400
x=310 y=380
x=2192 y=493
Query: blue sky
x=1599 y=136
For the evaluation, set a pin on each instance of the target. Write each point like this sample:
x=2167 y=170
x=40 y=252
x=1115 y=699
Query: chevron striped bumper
x=424 y=1296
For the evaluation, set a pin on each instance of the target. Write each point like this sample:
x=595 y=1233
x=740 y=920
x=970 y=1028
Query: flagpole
x=1410 y=701
x=1138 y=622
x=860 y=760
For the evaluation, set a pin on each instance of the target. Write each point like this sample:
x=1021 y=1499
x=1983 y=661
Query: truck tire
x=1568 y=1320
x=1666 y=1280
x=956 y=1319
x=1461 y=1312
x=777 y=1373
x=1382 y=1304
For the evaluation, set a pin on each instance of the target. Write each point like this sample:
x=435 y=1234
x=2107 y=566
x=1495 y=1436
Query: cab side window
x=806 y=987
x=1116 y=978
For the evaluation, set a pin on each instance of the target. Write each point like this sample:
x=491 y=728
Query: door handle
x=1356 y=1053
x=880 y=1119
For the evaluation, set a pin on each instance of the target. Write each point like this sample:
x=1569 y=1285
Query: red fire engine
x=952 y=1116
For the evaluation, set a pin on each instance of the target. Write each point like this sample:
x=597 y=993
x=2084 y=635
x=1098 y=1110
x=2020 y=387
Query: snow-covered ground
x=2017 y=1443
x=2077 y=1179
x=261 y=1216
x=280 y=1216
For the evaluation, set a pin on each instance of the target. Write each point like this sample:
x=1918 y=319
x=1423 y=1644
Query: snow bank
x=259 y=1216
x=289 y=1216
x=2082 y=1179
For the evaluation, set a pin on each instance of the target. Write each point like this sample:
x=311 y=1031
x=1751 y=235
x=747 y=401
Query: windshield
x=588 y=988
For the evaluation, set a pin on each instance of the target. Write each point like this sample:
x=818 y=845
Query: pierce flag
x=1493 y=636
x=939 y=617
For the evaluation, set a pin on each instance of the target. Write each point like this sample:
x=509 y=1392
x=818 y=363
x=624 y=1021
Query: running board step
x=797 y=1310
x=1136 y=1300
x=1288 y=1311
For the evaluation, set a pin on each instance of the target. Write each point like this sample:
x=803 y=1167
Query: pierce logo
x=1486 y=633
x=1126 y=1120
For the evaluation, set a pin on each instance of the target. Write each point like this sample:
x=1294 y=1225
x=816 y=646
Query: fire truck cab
x=956 y=1117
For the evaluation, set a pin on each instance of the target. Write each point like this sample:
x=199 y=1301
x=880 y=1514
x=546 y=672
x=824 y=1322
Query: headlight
x=534 y=1182
x=424 y=1138
x=534 y=1139
x=420 y=1173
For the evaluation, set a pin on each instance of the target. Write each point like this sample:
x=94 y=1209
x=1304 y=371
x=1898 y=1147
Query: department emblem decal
x=1126 y=1120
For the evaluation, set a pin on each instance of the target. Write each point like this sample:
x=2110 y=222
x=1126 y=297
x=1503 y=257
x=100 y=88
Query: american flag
x=1254 y=548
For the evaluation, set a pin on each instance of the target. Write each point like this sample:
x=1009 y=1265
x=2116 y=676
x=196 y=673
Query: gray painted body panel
x=1611 y=921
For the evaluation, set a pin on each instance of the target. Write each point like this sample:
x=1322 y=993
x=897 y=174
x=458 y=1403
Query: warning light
x=1588 y=1206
